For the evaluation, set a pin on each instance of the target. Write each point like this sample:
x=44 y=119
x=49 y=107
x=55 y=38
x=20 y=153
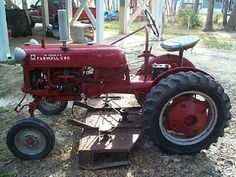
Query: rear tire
x=51 y=108
x=30 y=139
x=186 y=112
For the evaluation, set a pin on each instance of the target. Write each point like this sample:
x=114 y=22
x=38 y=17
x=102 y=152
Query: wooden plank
x=78 y=12
x=45 y=15
x=124 y=17
x=137 y=11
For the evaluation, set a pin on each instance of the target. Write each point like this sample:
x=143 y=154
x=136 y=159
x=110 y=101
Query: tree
x=225 y=11
x=182 y=4
x=231 y=25
x=173 y=7
x=196 y=5
x=211 y=4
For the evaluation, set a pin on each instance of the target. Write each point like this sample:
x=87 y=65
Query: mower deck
x=108 y=136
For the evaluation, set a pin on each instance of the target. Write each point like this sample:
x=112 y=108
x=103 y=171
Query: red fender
x=176 y=70
x=170 y=59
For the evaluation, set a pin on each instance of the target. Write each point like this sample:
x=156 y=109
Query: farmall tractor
x=182 y=109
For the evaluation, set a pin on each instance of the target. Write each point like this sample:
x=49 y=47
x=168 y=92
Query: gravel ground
x=146 y=159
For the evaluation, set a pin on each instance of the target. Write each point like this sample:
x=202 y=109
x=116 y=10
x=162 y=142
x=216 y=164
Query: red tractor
x=183 y=109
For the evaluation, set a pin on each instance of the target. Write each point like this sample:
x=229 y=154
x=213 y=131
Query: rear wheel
x=51 y=107
x=186 y=112
x=30 y=139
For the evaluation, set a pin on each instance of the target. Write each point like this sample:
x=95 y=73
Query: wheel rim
x=197 y=118
x=50 y=105
x=30 y=141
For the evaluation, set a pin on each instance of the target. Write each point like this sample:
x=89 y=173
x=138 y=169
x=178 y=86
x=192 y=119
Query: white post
x=4 y=50
x=124 y=17
x=69 y=11
x=45 y=15
x=157 y=14
x=99 y=21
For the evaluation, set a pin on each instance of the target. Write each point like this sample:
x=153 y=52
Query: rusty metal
x=180 y=61
x=96 y=145
x=81 y=124
x=109 y=132
x=19 y=107
x=128 y=35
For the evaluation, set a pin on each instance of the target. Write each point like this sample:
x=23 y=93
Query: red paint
x=91 y=70
x=187 y=116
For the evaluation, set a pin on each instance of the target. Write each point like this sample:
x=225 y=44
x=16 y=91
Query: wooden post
x=124 y=17
x=45 y=15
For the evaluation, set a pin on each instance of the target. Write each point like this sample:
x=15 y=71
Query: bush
x=217 y=17
x=187 y=15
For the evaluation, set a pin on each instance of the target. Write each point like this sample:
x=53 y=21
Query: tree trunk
x=211 y=4
x=225 y=11
x=231 y=25
x=182 y=4
x=173 y=7
x=196 y=5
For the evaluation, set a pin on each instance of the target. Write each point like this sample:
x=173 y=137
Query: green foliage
x=217 y=17
x=187 y=16
x=3 y=174
x=9 y=62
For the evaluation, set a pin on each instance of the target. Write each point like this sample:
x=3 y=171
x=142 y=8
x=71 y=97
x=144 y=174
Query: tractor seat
x=180 y=43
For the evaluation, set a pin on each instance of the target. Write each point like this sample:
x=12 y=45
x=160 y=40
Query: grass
x=7 y=88
x=9 y=62
x=3 y=174
x=173 y=29
x=218 y=43
x=113 y=26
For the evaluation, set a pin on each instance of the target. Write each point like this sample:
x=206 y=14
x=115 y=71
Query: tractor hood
x=75 y=55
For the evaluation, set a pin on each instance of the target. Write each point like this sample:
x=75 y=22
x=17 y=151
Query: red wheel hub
x=31 y=140
x=187 y=115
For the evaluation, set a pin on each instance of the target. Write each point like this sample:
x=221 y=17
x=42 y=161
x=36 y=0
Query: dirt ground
x=146 y=159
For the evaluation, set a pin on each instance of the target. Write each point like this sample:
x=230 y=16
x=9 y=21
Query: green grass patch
x=3 y=174
x=218 y=42
x=7 y=87
x=3 y=110
x=205 y=173
x=9 y=62
x=113 y=26
x=4 y=154
x=209 y=40
x=13 y=172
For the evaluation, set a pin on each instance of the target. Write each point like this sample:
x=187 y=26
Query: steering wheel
x=152 y=23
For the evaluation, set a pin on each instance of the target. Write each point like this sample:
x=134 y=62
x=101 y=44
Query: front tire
x=30 y=139
x=186 y=112
x=51 y=107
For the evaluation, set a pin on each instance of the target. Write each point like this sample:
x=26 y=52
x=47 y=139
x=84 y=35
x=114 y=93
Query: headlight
x=20 y=55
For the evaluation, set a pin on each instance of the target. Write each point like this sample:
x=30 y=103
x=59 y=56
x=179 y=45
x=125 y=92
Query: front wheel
x=186 y=112
x=30 y=139
x=51 y=107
